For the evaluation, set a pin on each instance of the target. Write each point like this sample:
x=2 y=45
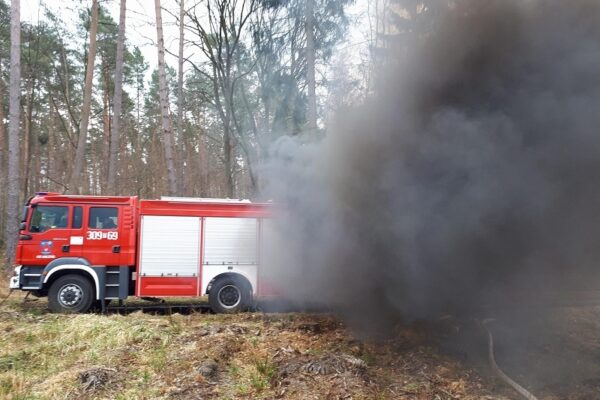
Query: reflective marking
x=79 y=267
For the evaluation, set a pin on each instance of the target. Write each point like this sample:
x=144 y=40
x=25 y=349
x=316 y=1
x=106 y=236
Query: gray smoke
x=471 y=178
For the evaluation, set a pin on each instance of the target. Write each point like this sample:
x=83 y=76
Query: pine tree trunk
x=113 y=163
x=292 y=125
x=164 y=104
x=102 y=168
x=50 y=152
x=180 y=141
x=26 y=138
x=310 y=68
x=203 y=165
x=12 y=209
x=77 y=172
x=228 y=159
x=3 y=166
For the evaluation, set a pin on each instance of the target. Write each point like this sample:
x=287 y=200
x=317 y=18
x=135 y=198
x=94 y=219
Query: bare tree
x=220 y=39
x=113 y=164
x=249 y=85
x=310 y=66
x=164 y=103
x=77 y=172
x=12 y=209
x=180 y=99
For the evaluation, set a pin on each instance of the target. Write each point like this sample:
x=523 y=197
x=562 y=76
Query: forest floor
x=276 y=356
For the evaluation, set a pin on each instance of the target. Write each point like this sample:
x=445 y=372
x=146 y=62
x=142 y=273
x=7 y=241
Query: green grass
x=43 y=356
x=265 y=368
x=265 y=371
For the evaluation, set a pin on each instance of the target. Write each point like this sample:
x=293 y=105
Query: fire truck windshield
x=48 y=217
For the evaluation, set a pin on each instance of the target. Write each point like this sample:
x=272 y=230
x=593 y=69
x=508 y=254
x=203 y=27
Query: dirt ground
x=555 y=352
x=286 y=356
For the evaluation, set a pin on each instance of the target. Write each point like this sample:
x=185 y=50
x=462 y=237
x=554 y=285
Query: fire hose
x=507 y=379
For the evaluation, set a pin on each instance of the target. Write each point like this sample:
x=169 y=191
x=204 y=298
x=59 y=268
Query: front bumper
x=15 y=282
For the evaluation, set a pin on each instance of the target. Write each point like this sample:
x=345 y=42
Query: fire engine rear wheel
x=229 y=295
x=71 y=294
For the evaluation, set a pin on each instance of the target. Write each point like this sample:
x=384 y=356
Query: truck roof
x=205 y=208
x=203 y=199
x=54 y=197
x=167 y=205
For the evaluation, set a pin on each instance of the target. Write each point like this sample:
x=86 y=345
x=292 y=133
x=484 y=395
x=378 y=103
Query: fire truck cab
x=82 y=251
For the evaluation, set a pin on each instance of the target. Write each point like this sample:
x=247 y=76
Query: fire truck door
x=49 y=234
x=102 y=238
x=127 y=235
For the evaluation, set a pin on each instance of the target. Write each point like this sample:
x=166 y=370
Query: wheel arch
x=234 y=275
x=55 y=272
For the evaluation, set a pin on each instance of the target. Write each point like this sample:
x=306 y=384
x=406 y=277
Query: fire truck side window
x=77 y=217
x=103 y=218
x=48 y=217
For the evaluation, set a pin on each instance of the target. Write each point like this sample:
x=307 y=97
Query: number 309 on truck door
x=99 y=235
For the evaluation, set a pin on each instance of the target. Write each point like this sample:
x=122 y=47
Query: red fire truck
x=82 y=251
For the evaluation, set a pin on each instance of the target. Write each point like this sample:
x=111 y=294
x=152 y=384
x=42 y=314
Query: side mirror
x=25 y=212
x=23 y=226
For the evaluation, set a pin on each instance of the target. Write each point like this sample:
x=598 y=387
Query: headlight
x=18 y=270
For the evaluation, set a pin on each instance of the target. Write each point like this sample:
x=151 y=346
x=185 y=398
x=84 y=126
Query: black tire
x=71 y=294
x=229 y=295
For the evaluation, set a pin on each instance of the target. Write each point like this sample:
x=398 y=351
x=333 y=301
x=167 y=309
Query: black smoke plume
x=470 y=179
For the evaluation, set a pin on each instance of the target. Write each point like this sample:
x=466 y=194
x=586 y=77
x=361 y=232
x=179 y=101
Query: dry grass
x=247 y=356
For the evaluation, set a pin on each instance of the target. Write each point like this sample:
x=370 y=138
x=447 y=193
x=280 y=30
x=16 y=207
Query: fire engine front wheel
x=229 y=295
x=71 y=294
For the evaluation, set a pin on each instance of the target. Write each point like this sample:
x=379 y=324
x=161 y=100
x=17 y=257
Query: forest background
x=100 y=111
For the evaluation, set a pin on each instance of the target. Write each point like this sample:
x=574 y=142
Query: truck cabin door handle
x=116 y=249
